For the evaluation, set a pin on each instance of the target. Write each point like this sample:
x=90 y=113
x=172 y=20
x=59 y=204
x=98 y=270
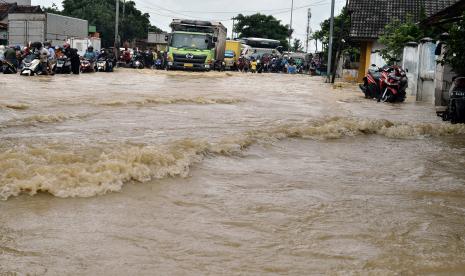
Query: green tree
x=155 y=29
x=263 y=26
x=101 y=13
x=396 y=35
x=52 y=9
x=340 y=37
x=455 y=47
x=297 y=45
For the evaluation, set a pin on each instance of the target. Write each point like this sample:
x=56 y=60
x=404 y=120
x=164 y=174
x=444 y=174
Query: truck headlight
x=170 y=63
x=207 y=66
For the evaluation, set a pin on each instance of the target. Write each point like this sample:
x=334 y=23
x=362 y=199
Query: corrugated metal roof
x=369 y=17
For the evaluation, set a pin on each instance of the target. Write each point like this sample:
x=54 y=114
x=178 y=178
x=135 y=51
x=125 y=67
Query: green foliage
x=53 y=9
x=396 y=35
x=455 y=48
x=263 y=26
x=341 y=32
x=341 y=29
x=297 y=46
x=155 y=29
x=101 y=13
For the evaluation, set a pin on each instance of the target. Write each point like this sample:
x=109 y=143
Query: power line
x=151 y=7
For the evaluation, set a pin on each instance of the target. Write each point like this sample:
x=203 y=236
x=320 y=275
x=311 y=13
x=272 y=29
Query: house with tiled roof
x=369 y=17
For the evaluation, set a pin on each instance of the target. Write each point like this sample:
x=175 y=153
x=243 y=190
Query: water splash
x=85 y=171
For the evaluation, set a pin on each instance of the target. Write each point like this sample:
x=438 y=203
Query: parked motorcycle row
x=386 y=84
x=133 y=58
x=43 y=59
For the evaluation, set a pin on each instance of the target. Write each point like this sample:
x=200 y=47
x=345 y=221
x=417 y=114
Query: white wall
x=26 y=27
x=376 y=57
x=410 y=64
x=61 y=28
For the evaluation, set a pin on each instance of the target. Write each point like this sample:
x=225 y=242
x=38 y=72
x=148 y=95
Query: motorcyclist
x=50 y=50
x=10 y=56
x=59 y=52
x=73 y=55
x=51 y=55
x=126 y=55
x=43 y=56
x=148 y=58
x=26 y=51
x=104 y=55
x=90 y=54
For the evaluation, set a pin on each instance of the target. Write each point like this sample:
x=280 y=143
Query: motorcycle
x=455 y=112
x=104 y=65
x=31 y=65
x=387 y=84
x=158 y=64
x=87 y=66
x=62 y=66
x=259 y=66
x=8 y=68
x=138 y=62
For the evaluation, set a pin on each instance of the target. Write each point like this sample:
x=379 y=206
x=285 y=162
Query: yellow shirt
x=253 y=65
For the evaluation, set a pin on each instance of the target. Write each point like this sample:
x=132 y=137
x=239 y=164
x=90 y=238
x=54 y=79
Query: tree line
x=134 y=24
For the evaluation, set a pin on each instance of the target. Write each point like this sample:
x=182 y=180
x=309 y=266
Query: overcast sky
x=163 y=11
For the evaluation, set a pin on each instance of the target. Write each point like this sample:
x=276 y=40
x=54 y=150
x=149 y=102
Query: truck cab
x=196 y=45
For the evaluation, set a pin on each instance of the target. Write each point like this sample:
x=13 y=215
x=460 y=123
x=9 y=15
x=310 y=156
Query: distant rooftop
x=7 y=8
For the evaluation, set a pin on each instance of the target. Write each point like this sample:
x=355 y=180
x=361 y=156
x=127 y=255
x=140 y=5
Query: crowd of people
x=48 y=54
x=271 y=64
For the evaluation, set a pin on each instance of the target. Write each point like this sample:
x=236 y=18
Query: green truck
x=196 y=45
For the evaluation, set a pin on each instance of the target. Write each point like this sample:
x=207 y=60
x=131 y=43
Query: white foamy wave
x=67 y=171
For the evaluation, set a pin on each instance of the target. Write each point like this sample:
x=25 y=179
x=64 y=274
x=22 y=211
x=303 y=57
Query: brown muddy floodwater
x=171 y=173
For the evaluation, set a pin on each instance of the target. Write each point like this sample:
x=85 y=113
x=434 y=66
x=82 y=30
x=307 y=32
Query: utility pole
x=116 y=27
x=331 y=34
x=234 y=24
x=290 y=26
x=309 y=15
x=122 y=21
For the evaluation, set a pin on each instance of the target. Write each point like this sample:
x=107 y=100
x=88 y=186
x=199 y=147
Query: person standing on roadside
x=73 y=55
x=253 y=66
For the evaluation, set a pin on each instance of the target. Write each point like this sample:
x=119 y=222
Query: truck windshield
x=190 y=41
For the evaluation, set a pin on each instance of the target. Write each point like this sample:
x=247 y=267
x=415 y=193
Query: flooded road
x=172 y=173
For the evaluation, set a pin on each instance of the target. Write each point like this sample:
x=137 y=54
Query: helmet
x=37 y=45
x=2 y=47
x=66 y=46
x=17 y=48
x=90 y=48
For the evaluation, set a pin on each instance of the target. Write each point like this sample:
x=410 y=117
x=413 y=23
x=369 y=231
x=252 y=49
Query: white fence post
x=410 y=64
x=427 y=68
